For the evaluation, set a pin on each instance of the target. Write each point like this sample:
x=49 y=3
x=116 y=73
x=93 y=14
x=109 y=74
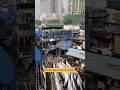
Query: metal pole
x=40 y=71
x=45 y=82
x=44 y=74
x=36 y=77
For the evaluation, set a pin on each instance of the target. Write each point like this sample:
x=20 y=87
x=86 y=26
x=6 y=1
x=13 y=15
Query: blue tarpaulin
x=9 y=18
x=38 y=55
x=66 y=44
x=6 y=67
x=8 y=74
x=38 y=51
x=38 y=33
x=13 y=14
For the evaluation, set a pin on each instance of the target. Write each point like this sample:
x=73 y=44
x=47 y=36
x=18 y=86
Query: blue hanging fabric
x=38 y=55
x=13 y=14
x=66 y=44
x=8 y=71
x=38 y=33
x=38 y=51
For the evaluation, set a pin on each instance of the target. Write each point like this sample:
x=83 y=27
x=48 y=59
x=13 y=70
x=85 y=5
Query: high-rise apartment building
x=97 y=4
x=51 y=9
x=77 y=6
x=59 y=8
x=44 y=9
x=56 y=9
x=65 y=6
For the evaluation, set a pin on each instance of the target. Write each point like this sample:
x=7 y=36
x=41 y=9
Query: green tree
x=74 y=19
x=68 y=20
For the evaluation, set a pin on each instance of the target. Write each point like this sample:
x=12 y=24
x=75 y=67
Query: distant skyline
x=53 y=9
x=56 y=9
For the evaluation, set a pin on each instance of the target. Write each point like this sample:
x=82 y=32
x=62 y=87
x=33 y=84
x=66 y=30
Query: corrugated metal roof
x=103 y=65
x=76 y=53
x=55 y=24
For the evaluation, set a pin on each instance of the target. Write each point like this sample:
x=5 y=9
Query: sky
x=37 y=9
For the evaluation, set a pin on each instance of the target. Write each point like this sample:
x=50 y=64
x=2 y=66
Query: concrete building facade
x=56 y=9
x=77 y=6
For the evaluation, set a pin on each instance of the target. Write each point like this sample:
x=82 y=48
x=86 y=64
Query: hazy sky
x=37 y=9
x=65 y=5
